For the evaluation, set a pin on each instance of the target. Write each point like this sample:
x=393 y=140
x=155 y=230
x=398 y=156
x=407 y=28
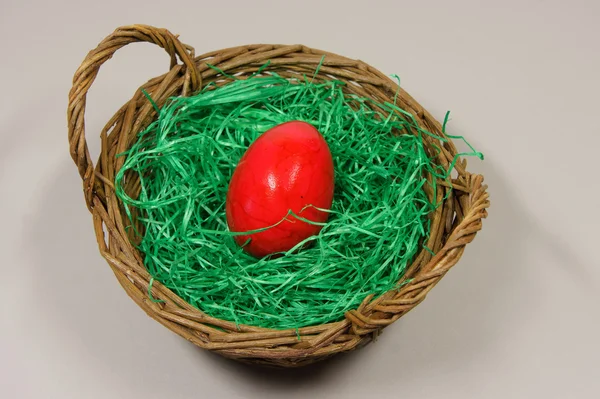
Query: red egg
x=286 y=168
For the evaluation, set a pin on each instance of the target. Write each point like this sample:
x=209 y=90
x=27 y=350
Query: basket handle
x=87 y=72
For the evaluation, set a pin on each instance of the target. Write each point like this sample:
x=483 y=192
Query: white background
x=518 y=317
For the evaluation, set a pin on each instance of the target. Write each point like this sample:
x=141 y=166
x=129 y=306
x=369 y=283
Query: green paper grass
x=378 y=220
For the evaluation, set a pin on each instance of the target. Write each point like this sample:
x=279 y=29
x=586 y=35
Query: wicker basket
x=454 y=224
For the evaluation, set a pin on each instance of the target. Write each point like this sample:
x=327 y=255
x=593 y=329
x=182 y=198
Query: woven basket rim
x=454 y=224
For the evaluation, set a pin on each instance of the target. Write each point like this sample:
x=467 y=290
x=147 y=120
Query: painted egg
x=289 y=167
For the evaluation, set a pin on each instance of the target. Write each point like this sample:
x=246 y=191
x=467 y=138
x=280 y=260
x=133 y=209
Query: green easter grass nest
x=377 y=223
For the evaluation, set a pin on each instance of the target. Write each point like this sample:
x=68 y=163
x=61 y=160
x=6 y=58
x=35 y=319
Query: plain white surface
x=518 y=317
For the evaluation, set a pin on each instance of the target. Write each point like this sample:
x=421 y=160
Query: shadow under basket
x=454 y=224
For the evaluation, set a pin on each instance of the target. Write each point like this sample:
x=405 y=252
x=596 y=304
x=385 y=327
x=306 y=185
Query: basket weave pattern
x=453 y=225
